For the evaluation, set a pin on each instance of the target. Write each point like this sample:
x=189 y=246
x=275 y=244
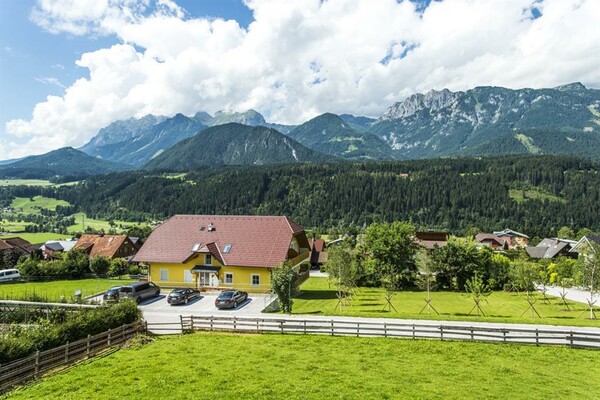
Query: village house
x=318 y=255
x=516 y=239
x=218 y=252
x=493 y=241
x=111 y=246
x=552 y=248
x=431 y=239
x=21 y=246
x=585 y=241
x=53 y=247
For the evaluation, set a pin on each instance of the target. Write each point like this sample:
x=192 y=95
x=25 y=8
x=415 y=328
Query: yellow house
x=219 y=252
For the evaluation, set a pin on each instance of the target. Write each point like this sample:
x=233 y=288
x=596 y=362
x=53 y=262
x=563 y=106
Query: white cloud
x=49 y=80
x=302 y=58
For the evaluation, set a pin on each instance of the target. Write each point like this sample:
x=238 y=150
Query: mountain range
x=478 y=122
x=66 y=161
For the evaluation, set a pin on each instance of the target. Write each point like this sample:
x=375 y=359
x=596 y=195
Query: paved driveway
x=157 y=310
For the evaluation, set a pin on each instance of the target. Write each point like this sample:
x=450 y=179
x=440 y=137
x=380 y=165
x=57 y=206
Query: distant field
x=32 y=206
x=12 y=226
x=522 y=195
x=82 y=222
x=32 y=182
x=40 y=237
x=318 y=298
x=52 y=291
x=322 y=367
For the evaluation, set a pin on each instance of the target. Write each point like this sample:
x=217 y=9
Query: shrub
x=118 y=267
x=99 y=265
x=18 y=342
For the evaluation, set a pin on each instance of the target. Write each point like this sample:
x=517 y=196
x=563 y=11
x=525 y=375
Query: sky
x=70 y=67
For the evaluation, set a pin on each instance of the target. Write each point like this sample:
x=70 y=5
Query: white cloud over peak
x=298 y=59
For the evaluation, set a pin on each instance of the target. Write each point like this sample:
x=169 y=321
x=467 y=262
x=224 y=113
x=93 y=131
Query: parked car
x=230 y=299
x=182 y=295
x=139 y=291
x=9 y=275
x=112 y=294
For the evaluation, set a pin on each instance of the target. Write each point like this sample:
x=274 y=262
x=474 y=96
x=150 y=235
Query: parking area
x=204 y=305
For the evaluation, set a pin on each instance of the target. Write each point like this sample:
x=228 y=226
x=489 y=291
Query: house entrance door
x=206 y=278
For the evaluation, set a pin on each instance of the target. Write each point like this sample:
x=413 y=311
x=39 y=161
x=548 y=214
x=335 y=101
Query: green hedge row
x=20 y=341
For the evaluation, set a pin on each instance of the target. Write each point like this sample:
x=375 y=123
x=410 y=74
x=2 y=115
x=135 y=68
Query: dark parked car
x=231 y=299
x=112 y=294
x=182 y=295
x=139 y=291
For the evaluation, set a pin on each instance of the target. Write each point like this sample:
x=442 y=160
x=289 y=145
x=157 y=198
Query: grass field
x=226 y=366
x=52 y=291
x=320 y=299
x=40 y=237
x=32 y=182
x=12 y=226
x=82 y=222
x=32 y=206
x=519 y=195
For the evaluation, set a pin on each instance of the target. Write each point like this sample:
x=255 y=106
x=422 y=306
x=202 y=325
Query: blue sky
x=35 y=64
x=70 y=67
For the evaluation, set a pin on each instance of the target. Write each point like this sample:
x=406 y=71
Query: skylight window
x=227 y=248
x=196 y=247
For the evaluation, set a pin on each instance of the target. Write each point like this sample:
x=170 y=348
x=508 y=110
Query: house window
x=294 y=245
x=255 y=280
x=227 y=248
x=208 y=259
x=229 y=278
x=164 y=274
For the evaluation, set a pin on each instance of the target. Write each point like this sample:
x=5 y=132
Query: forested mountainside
x=536 y=194
x=235 y=144
x=330 y=134
x=64 y=162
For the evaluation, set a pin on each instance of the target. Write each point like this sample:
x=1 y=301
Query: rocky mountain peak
x=433 y=100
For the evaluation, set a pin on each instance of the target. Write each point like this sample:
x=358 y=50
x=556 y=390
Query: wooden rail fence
x=41 y=362
x=582 y=338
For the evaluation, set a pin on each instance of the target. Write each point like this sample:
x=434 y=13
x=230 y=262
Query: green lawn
x=52 y=291
x=40 y=237
x=33 y=205
x=320 y=299
x=227 y=366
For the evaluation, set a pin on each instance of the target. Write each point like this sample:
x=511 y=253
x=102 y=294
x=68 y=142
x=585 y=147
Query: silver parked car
x=139 y=291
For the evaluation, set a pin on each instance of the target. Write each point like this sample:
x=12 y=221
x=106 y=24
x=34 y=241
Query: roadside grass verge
x=319 y=298
x=53 y=290
x=269 y=366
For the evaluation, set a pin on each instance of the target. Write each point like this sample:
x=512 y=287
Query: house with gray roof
x=552 y=248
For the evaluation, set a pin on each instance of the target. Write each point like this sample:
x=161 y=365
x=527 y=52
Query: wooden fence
x=41 y=362
x=394 y=329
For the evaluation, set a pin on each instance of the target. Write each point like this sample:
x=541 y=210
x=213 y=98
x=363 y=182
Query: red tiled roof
x=101 y=245
x=318 y=245
x=256 y=241
x=16 y=243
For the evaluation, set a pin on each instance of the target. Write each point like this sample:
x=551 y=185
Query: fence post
x=146 y=327
x=537 y=338
x=87 y=346
x=281 y=326
x=67 y=352
x=305 y=327
x=181 y=322
x=234 y=323
x=108 y=342
x=504 y=331
x=472 y=337
x=192 y=321
x=357 y=329
x=211 y=322
x=413 y=331
x=571 y=339
x=441 y=332
x=257 y=325
x=37 y=363
x=384 y=329
x=332 y=330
